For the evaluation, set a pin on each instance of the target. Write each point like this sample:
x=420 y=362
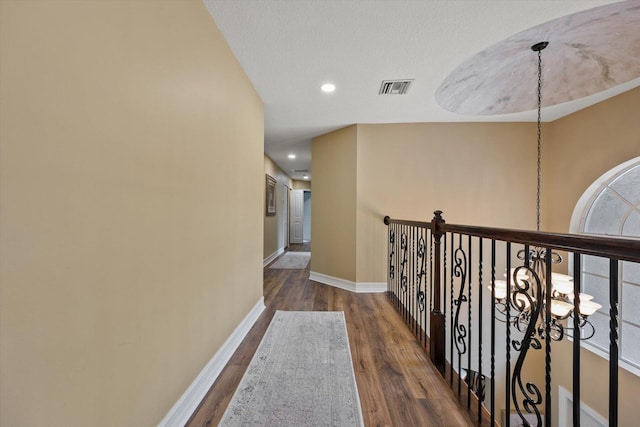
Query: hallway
x=397 y=384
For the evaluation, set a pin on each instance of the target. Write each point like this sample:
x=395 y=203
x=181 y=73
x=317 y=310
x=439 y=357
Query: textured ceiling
x=289 y=48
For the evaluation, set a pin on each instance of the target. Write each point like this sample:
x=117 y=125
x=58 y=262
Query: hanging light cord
x=538 y=48
x=539 y=138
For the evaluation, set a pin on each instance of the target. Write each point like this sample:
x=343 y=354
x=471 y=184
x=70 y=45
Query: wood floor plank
x=364 y=347
x=397 y=384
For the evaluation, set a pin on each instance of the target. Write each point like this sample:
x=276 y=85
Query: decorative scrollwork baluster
x=421 y=273
x=524 y=302
x=460 y=271
x=404 y=247
x=392 y=248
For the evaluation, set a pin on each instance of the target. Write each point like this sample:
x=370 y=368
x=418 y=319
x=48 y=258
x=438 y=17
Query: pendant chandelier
x=526 y=296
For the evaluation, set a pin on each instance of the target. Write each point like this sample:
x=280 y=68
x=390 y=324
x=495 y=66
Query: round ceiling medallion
x=588 y=52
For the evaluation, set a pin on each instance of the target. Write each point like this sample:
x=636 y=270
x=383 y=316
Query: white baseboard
x=348 y=285
x=191 y=398
x=273 y=256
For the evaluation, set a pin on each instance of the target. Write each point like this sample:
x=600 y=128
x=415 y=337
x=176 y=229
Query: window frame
x=577 y=226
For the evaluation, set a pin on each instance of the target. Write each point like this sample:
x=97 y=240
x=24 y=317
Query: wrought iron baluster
x=407 y=272
x=415 y=291
x=407 y=301
x=392 y=261
x=460 y=330
x=410 y=283
x=417 y=285
x=392 y=235
x=547 y=362
x=398 y=252
x=431 y=268
x=532 y=396
x=410 y=278
x=469 y=324
x=421 y=287
x=429 y=283
x=397 y=267
x=576 y=337
x=444 y=294
x=613 y=342
x=451 y=291
x=480 y=394
x=493 y=332
x=404 y=248
x=508 y=336
x=397 y=271
x=391 y=253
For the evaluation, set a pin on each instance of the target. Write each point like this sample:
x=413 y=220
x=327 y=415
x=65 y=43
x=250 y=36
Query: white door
x=306 y=221
x=285 y=216
x=297 y=215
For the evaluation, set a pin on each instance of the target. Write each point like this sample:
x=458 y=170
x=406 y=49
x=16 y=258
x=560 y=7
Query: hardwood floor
x=397 y=384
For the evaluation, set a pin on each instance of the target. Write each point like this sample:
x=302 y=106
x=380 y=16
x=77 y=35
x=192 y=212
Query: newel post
x=437 y=319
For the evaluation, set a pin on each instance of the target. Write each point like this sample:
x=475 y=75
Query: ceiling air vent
x=300 y=170
x=395 y=87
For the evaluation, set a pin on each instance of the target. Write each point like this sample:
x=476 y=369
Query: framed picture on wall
x=270 y=196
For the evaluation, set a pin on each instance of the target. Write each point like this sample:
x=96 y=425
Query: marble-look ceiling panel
x=588 y=52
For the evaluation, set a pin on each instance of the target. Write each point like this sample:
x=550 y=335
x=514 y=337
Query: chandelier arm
x=586 y=328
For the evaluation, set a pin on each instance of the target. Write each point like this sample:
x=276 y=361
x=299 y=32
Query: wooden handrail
x=621 y=248
x=387 y=220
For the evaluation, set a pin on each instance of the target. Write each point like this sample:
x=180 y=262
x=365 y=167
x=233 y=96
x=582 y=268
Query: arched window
x=611 y=206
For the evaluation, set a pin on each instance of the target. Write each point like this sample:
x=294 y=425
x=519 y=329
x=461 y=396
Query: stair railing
x=444 y=280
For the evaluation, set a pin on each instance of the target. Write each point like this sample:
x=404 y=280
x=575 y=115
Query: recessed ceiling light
x=328 y=87
x=306 y=177
x=292 y=156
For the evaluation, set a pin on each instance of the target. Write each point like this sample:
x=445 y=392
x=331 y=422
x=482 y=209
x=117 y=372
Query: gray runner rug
x=293 y=260
x=301 y=375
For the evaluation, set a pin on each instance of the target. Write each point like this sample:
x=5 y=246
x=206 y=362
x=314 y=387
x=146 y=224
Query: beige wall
x=130 y=237
x=334 y=204
x=273 y=233
x=407 y=171
x=583 y=147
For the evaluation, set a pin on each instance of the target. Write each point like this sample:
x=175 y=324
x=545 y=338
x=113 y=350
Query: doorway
x=300 y=216
x=306 y=217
